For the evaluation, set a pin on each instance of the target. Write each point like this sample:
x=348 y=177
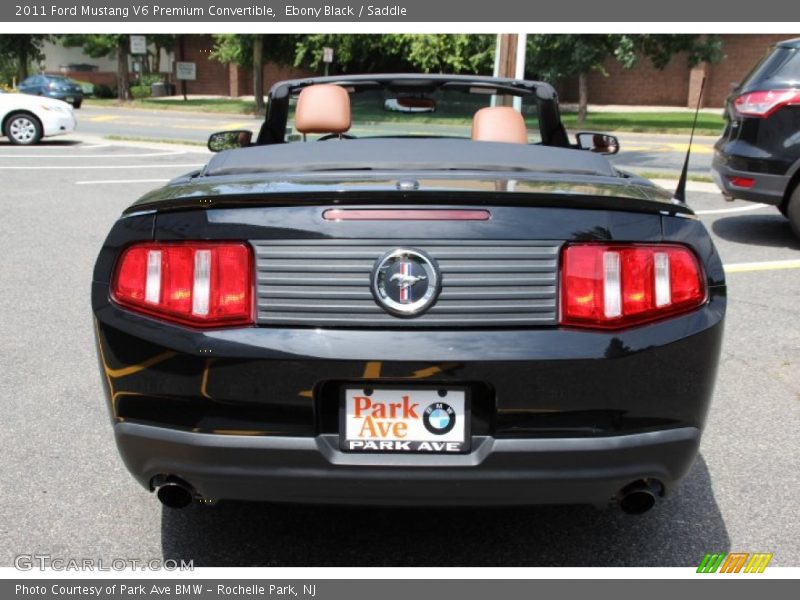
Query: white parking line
x=63 y=167
x=722 y=211
x=770 y=265
x=104 y=181
x=148 y=154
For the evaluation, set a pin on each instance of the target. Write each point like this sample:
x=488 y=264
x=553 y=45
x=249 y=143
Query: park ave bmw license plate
x=405 y=420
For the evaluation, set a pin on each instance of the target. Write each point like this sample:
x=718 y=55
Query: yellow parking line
x=774 y=265
x=198 y=127
x=101 y=118
x=696 y=148
x=239 y=125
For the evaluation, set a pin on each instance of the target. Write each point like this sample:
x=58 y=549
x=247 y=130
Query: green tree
x=555 y=57
x=251 y=51
x=358 y=53
x=18 y=51
x=99 y=45
x=372 y=53
x=457 y=53
x=661 y=48
x=163 y=41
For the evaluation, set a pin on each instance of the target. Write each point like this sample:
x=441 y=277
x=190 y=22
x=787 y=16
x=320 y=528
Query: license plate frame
x=423 y=395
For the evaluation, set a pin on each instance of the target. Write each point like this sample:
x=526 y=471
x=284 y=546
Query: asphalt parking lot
x=67 y=494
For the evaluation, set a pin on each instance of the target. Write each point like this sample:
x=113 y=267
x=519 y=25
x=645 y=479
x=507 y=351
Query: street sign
x=327 y=55
x=186 y=70
x=138 y=44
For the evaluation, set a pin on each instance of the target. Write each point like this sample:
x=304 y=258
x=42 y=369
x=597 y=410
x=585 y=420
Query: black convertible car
x=409 y=290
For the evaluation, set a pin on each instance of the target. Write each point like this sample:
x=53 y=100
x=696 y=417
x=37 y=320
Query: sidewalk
x=624 y=108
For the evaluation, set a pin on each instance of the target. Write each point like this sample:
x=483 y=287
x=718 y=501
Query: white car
x=26 y=119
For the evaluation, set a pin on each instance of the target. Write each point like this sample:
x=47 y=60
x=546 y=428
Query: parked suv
x=53 y=86
x=758 y=156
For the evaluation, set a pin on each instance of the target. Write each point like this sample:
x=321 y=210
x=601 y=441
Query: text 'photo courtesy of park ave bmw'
x=455 y=305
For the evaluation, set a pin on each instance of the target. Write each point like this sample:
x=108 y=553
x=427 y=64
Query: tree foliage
x=98 y=45
x=661 y=48
x=18 y=51
x=555 y=57
x=161 y=41
x=95 y=45
x=251 y=51
x=371 y=53
x=238 y=48
x=359 y=53
x=457 y=53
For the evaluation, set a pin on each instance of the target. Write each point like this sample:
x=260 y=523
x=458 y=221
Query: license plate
x=388 y=419
x=69 y=99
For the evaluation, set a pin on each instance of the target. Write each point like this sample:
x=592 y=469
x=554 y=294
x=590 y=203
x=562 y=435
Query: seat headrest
x=499 y=124
x=323 y=108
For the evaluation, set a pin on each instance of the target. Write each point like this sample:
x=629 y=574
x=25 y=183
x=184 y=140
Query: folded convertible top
x=409 y=154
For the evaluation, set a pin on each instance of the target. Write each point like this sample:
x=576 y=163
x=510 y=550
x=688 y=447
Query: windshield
x=441 y=113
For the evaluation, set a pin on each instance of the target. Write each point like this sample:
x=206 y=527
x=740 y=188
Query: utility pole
x=506 y=56
x=509 y=61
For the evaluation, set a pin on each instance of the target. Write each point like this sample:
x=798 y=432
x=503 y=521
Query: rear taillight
x=763 y=104
x=202 y=284
x=614 y=286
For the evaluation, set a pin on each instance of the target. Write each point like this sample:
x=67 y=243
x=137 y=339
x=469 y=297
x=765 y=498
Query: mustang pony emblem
x=406 y=281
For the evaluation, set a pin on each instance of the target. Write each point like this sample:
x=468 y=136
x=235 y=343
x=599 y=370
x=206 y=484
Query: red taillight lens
x=744 y=182
x=763 y=104
x=203 y=284
x=614 y=286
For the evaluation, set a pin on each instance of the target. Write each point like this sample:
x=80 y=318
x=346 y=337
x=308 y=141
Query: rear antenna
x=680 y=191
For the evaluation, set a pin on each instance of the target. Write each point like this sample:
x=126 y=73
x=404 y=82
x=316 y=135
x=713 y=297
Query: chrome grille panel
x=485 y=283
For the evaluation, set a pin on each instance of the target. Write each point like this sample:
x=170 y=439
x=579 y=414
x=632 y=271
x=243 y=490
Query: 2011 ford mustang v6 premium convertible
x=409 y=290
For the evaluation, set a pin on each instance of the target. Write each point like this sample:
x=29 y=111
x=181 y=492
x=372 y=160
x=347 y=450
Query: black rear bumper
x=496 y=472
x=558 y=416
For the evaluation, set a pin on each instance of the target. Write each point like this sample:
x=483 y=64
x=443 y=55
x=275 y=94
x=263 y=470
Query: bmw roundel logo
x=439 y=418
x=405 y=282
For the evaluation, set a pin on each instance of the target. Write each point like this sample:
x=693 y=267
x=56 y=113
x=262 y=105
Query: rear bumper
x=558 y=417
x=495 y=472
x=767 y=188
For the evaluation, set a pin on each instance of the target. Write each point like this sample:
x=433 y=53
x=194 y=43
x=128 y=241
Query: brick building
x=677 y=84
